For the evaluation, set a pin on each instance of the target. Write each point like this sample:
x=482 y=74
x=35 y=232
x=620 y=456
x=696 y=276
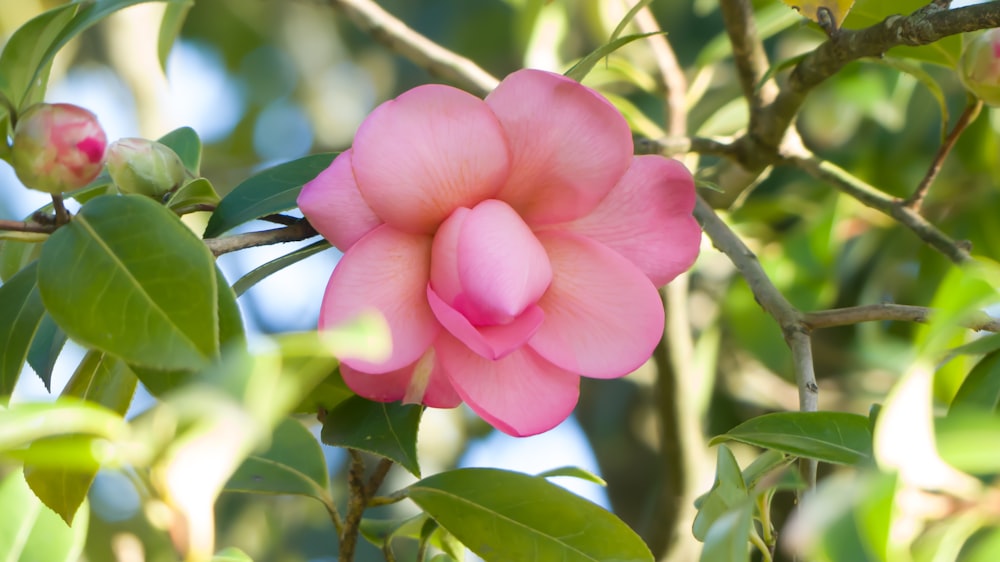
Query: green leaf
x=104 y=380
x=22 y=424
x=293 y=464
x=126 y=276
x=763 y=466
x=583 y=67
x=15 y=255
x=21 y=312
x=502 y=516
x=45 y=348
x=981 y=388
x=195 y=192
x=262 y=272
x=388 y=430
x=728 y=492
x=727 y=538
x=24 y=55
x=835 y=437
x=966 y=440
x=272 y=191
x=170 y=28
x=184 y=141
x=330 y=392
x=924 y=78
x=36 y=533
x=231 y=554
x=629 y=16
x=574 y=472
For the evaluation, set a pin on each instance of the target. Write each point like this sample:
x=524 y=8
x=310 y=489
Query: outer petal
x=502 y=267
x=569 y=145
x=387 y=270
x=334 y=206
x=431 y=150
x=393 y=386
x=521 y=394
x=491 y=342
x=602 y=315
x=647 y=218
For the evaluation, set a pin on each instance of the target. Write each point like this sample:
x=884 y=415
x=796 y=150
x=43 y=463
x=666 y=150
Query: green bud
x=145 y=167
x=980 y=66
x=57 y=147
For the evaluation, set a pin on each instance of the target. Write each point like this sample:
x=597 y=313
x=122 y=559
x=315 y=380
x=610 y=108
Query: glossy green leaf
x=36 y=533
x=272 y=191
x=728 y=493
x=24 y=55
x=502 y=516
x=835 y=437
x=293 y=464
x=981 y=388
x=193 y=193
x=126 y=276
x=45 y=349
x=583 y=67
x=170 y=28
x=21 y=312
x=388 y=430
x=727 y=538
x=967 y=440
x=574 y=472
x=62 y=486
x=262 y=272
x=184 y=141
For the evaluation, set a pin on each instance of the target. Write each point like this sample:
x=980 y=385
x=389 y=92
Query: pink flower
x=512 y=244
x=57 y=147
x=979 y=68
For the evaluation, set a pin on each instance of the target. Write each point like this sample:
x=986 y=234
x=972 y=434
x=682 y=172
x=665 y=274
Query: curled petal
x=647 y=218
x=334 y=206
x=395 y=385
x=444 y=258
x=603 y=317
x=491 y=342
x=387 y=270
x=521 y=394
x=422 y=155
x=569 y=145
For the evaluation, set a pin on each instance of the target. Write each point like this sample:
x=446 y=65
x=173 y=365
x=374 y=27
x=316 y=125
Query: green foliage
x=263 y=271
x=36 y=533
x=388 y=430
x=835 y=437
x=21 y=311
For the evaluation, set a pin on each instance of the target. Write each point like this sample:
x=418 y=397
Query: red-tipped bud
x=980 y=66
x=145 y=167
x=57 y=147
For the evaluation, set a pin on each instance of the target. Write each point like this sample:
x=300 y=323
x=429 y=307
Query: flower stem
x=972 y=110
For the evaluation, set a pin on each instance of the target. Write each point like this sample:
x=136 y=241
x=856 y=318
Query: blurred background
x=267 y=81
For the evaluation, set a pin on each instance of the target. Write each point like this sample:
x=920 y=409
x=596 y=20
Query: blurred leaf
x=15 y=255
x=195 y=192
x=293 y=464
x=967 y=441
x=101 y=379
x=763 y=466
x=629 y=16
x=45 y=348
x=979 y=346
x=128 y=277
x=231 y=554
x=636 y=119
x=21 y=424
x=924 y=78
x=170 y=28
x=579 y=70
x=378 y=531
x=984 y=548
x=981 y=388
x=728 y=537
x=262 y=272
x=272 y=191
x=874 y=517
x=25 y=52
x=728 y=492
x=184 y=141
x=835 y=437
x=811 y=9
x=21 y=311
x=504 y=516
x=388 y=430
x=574 y=472
x=964 y=291
x=771 y=19
x=35 y=533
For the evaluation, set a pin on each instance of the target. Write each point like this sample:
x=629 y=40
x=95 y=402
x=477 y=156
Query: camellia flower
x=57 y=147
x=512 y=244
x=979 y=67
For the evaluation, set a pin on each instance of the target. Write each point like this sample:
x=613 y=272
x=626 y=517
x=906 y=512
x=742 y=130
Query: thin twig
x=278 y=218
x=967 y=117
x=62 y=215
x=356 y=503
x=888 y=312
x=301 y=230
x=25 y=226
x=397 y=36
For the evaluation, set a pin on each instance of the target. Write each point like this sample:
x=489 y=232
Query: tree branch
x=748 y=54
x=300 y=230
x=888 y=312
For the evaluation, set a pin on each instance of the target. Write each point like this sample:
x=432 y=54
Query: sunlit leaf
x=835 y=437
x=574 y=472
x=191 y=194
x=504 y=516
x=728 y=493
x=21 y=424
x=981 y=388
x=727 y=539
x=25 y=51
x=21 y=311
x=272 y=191
x=966 y=439
x=170 y=28
x=262 y=272
x=580 y=70
x=388 y=430
x=184 y=141
x=36 y=533
x=128 y=277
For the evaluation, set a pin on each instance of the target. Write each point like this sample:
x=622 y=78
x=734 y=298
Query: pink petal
x=569 y=145
x=393 y=386
x=431 y=150
x=444 y=257
x=603 y=317
x=502 y=267
x=521 y=394
x=387 y=270
x=647 y=218
x=334 y=206
x=491 y=342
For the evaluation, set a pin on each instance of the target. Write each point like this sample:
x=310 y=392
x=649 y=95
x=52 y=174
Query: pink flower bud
x=57 y=147
x=145 y=167
x=980 y=66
